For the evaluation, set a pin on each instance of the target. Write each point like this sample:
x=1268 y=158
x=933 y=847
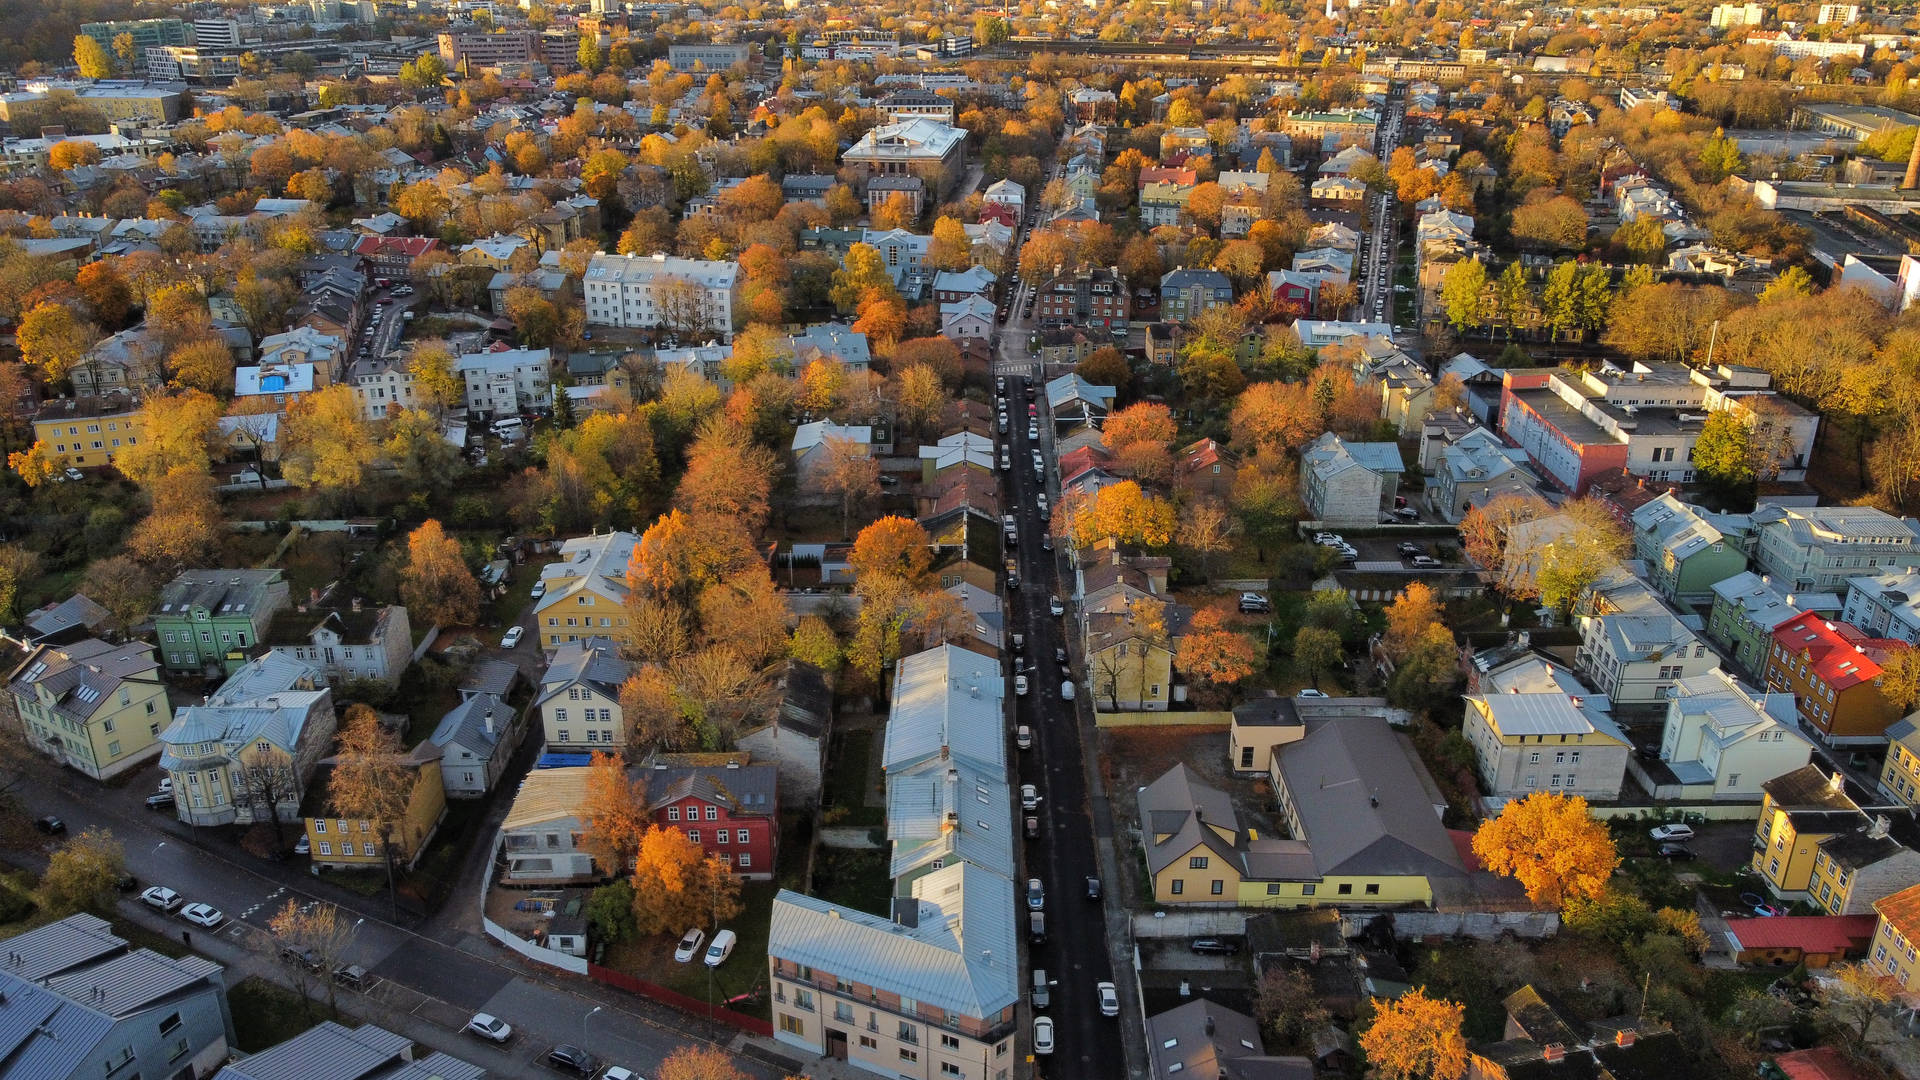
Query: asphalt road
x=1075 y=954
x=1376 y=293
x=425 y=984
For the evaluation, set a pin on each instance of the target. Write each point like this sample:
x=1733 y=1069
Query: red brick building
x=729 y=810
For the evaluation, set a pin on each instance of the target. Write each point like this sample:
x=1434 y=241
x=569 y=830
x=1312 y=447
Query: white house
x=967 y=320
x=1885 y=605
x=1636 y=659
x=540 y=836
x=475 y=740
x=810 y=442
x=507 y=382
x=1347 y=483
x=632 y=291
x=360 y=643
x=1724 y=739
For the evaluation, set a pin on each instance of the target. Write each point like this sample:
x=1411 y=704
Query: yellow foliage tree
x=614 y=813
x=35 y=465
x=1126 y=514
x=1415 y=1037
x=437 y=585
x=326 y=443
x=1551 y=844
x=178 y=432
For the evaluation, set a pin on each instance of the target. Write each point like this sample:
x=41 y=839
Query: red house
x=729 y=810
x=1005 y=213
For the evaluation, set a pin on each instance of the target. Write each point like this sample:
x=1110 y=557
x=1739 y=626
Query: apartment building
x=1885 y=605
x=1561 y=743
x=1823 y=548
x=1724 y=740
x=707 y=56
x=643 y=291
x=94 y=707
x=1833 y=671
x=1636 y=658
x=579 y=696
x=372 y=643
x=248 y=753
x=87 y=433
x=507 y=382
x=208 y=620
x=586 y=591
x=1686 y=550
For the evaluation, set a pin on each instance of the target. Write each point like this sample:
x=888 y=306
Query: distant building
x=1345 y=483
x=707 y=57
x=146 y=33
x=330 y=1051
x=633 y=291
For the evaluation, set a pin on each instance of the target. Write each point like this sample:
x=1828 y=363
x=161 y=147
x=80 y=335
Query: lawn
x=847 y=782
x=651 y=958
x=855 y=878
x=508 y=606
x=265 y=1014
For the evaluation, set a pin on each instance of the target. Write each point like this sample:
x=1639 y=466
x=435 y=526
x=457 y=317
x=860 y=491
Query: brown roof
x=1902 y=911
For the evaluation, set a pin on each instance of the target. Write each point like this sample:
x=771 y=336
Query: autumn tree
x=728 y=474
x=677 y=885
x=1317 y=651
x=814 y=642
x=695 y=1062
x=849 y=472
x=1121 y=512
x=1570 y=564
x=893 y=545
x=52 y=338
x=122 y=586
x=1462 y=294
x=864 y=269
x=1408 y=617
x=614 y=814
x=325 y=442
x=1213 y=652
x=91 y=58
x=204 y=364
x=1485 y=528
x=1207 y=529
x=317 y=937
x=1723 y=454
x=83 y=874
x=373 y=781
x=420 y=452
x=1287 y=1004
x=178 y=433
x=681 y=554
x=1551 y=844
x=1415 y=1037
x=1141 y=438
x=184 y=526
x=949 y=249
x=1852 y=997
x=1554 y=223
x=438 y=586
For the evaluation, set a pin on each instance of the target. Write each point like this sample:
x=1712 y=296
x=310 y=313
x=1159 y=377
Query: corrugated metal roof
x=43 y=1035
x=547 y=795
x=326 y=1052
x=60 y=946
x=946 y=702
x=979 y=805
x=131 y=982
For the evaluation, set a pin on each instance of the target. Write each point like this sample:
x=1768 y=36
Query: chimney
x=1209 y=1023
x=489 y=725
x=313 y=596
x=1837 y=783
x=1878 y=830
x=1623 y=1038
x=1313 y=953
x=1912 y=179
x=1553 y=1053
x=356 y=604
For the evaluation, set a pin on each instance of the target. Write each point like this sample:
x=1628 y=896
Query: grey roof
x=1185 y=811
x=1546 y=714
x=1331 y=454
x=1195 y=1041
x=41 y=1033
x=60 y=947
x=959 y=954
x=957 y=813
x=1363 y=802
x=594 y=662
x=466 y=725
x=279 y=718
x=74 y=611
x=1187 y=277
x=84 y=675
x=131 y=981
x=743 y=789
x=333 y=1052
x=490 y=676
x=946 y=701
x=265 y=675
x=807 y=706
x=220 y=592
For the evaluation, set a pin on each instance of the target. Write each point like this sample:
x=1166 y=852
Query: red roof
x=1820 y=1063
x=1162 y=175
x=410 y=246
x=1818 y=934
x=1840 y=655
x=1202 y=454
x=1080 y=459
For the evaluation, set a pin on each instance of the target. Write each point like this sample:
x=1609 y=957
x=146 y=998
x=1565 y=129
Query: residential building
x=1163 y=202
x=1812 y=941
x=248 y=753
x=1724 y=740
x=145 y=33
x=1823 y=548
x=1091 y=298
x=929 y=149
x=87 y=432
x=1896 y=937
x=1748 y=608
x=349 y=843
x=1187 y=291
x=832 y=341
x=881 y=191
x=474 y=742
x=1557 y=742
x=81 y=1003
x=540 y=836
x=1872 y=857
x=1900 y=771
x=1685 y=551
x=359 y=643
x=209 y=620
x=1205 y=467
x=937 y=816
x=911 y=104
x=707 y=56
x=1833 y=671
x=1474 y=470
x=1635 y=659
x=505 y=382
x=69 y=620
x=393 y=256
x=1129 y=659
x=1007 y=193
x=1885 y=605
x=971 y=319
x=729 y=810
x=1349 y=483
x=94 y=707
x=950 y=286
x=579 y=696
x=586 y=591
x=1801 y=812
x=1733 y=17
x=813 y=444
x=1204 y=1040
x=329 y=1051
x=794 y=738
x=1545 y=1038
x=694 y=298
x=931 y=992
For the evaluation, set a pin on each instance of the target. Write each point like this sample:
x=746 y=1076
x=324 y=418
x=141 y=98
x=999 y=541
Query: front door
x=837 y=1044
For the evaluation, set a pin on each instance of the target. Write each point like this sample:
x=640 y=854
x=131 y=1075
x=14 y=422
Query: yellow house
x=1191 y=834
x=1863 y=863
x=86 y=433
x=349 y=843
x=1130 y=659
x=1797 y=812
x=1900 y=773
x=1896 y=940
x=586 y=591
x=96 y=707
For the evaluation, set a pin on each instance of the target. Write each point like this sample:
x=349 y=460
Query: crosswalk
x=269 y=901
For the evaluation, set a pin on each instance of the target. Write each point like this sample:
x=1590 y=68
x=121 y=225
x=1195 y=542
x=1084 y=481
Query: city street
x=1075 y=956
x=1382 y=241
x=423 y=987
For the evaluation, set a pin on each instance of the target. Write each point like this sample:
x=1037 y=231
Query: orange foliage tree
x=1209 y=650
x=1551 y=844
x=677 y=885
x=1416 y=1037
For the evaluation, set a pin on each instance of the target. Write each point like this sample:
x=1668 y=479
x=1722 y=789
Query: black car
x=50 y=825
x=160 y=800
x=126 y=883
x=306 y=958
x=1216 y=946
x=1093 y=888
x=1680 y=852
x=1410 y=549
x=570 y=1059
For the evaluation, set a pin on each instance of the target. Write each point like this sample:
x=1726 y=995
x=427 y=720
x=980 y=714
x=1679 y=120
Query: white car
x=1055 y=607
x=618 y=1072
x=690 y=945
x=1109 y=999
x=1020 y=685
x=1675 y=832
x=539 y=590
x=203 y=915
x=721 y=948
x=513 y=637
x=1043 y=1034
x=489 y=1027
x=163 y=898
x=1029 y=797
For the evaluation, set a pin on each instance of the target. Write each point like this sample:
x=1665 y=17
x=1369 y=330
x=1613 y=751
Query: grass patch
x=141 y=937
x=846 y=787
x=651 y=958
x=855 y=878
x=265 y=1015
x=508 y=605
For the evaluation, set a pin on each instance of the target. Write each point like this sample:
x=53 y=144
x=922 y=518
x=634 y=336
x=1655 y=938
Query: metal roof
x=946 y=703
x=333 y=1052
x=1361 y=803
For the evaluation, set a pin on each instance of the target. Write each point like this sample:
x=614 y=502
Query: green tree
x=1560 y=300
x=424 y=72
x=1316 y=651
x=610 y=910
x=589 y=54
x=1790 y=284
x=1461 y=293
x=1723 y=454
x=1643 y=239
x=91 y=57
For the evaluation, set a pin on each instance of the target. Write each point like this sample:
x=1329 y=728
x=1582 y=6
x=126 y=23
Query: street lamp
x=583 y=1024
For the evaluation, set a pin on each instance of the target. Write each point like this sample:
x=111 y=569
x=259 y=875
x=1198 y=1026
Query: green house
x=1688 y=551
x=206 y=621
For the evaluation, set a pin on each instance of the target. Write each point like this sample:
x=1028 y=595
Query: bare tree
x=686 y=312
x=851 y=473
x=311 y=940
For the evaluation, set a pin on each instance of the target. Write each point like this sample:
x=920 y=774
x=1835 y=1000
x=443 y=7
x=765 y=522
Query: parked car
x=1410 y=549
x=205 y=915
x=1310 y=692
x=50 y=825
x=690 y=943
x=303 y=846
x=1109 y=999
x=1019 y=642
x=1043 y=1034
x=1214 y=946
x=1066 y=690
x=1677 y=851
x=1675 y=831
x=722 y=947
x=126 y=883
x=1055 y=607
x=1424 y=562
x=489 y=1027
x=1407 y=513
x=306 y=958
x=620 y=1072
x=1254 y=603
x=162 y=898
x=1060 y=655
x=1093 y=888
x=1029 y=797
x=571 y=1059
x=1033 y=827
x=1023 y=737
x=1036 y=894
x=160 y=800
x=351 y=976
x=1020 y=685
x=539 y=590
x=513 y=636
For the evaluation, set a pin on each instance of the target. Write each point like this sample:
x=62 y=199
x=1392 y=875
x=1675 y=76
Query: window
x=713 y=813
x=868 y=1042
x=792 y=1025
x=326 y=846
x=948 y=1042
x=171 y=1024
x=346 y=847
x=1179 y=886
x=1373 y=889
x=1345 y=890
x=740 y=836
x=1197 y=862
x=1309 y=890
x=1246 y=757
x=560 y=715
x=720 y=836
x=1219 y=887
x=744 y=860
x=693 y=836
x=319 y=825
x=673 y=813
x=948 y=1068
x=909 y=1055
x=1533 y=758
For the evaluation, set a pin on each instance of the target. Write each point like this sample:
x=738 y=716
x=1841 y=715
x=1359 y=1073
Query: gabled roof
x=330 y=1051
x=593 y=662
x=956 y=813
x=742 y=789
x=1365 y=803
x=465 y=725
x=1838 y=654
x=83 y=677
x=1184 y=810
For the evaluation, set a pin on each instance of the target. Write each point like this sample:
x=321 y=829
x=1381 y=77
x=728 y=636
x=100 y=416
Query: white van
x=721 y=948
x=1066 y=690
x=509 y=430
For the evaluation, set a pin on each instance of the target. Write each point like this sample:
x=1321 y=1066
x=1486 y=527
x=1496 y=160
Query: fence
x=426 y=642
x=690 y=1006
x=1176 y=924
x=1479 y=925
x=1220 y=720
x=537 y=953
